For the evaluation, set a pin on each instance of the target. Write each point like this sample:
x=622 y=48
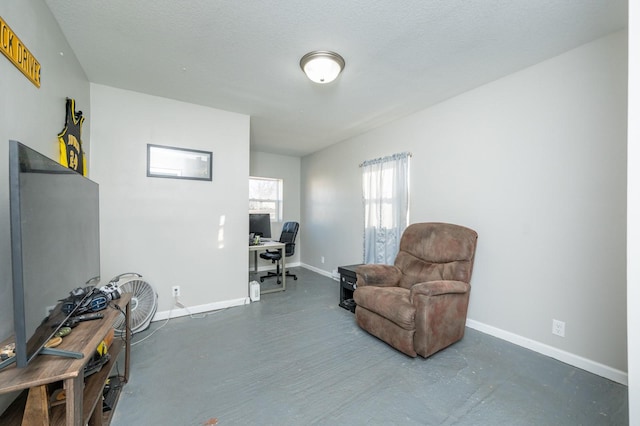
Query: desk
x=270 y=245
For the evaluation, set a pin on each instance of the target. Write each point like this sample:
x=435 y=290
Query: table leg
x=73 y=392
x=127 y=347
x=36 y=411
x=255 y=262
x=284 y=270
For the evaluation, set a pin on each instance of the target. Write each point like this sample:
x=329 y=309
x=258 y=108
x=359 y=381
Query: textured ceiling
x=243 y=55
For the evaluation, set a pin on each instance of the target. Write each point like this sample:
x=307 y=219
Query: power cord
x=176 y=301
x=124 y=315
x=116 y=307
x=154 y=331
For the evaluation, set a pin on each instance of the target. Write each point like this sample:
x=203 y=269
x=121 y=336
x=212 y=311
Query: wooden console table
x=83 y=396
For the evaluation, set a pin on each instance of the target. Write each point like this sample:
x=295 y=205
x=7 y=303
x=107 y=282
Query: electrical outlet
x=175 y=291
x=322 y=259
x=557 y=328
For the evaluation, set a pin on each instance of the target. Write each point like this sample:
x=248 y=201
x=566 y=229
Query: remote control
x=87 y=317
x=73 y=321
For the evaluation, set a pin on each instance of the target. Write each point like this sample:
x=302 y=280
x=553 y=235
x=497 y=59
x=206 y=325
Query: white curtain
x=385 y=194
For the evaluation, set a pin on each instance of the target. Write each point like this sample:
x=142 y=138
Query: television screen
x=260 y=224
x=55 y=243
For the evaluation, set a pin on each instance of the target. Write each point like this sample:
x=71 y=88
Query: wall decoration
x=13 y=48
x=71 y=152
x=178 y=163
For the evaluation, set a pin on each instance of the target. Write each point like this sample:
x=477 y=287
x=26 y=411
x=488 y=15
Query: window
x=385 y=194
x=265 y=196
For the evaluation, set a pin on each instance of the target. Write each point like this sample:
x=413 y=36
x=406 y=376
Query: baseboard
x=198 y=309
x=555 y=353
x=208 y=307
x=318 y=270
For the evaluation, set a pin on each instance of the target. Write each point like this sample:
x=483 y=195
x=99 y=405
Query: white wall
x=332 y=205
x=633 y=212
x=173 y=232
x=536 y=163
x=287 y=168
x=34 y=116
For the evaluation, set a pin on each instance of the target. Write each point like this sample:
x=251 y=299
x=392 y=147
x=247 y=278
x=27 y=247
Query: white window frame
x=261 y=205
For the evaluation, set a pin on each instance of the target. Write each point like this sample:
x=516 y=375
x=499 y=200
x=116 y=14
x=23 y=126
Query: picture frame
x=179 y=163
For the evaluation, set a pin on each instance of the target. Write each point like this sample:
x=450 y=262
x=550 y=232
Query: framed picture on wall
x=178 y=163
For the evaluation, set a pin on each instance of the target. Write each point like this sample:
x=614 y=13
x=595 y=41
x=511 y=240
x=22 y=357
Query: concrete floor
x=296 y=358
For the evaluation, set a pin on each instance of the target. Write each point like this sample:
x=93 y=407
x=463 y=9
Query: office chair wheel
x=295 y=278
x=261 y=279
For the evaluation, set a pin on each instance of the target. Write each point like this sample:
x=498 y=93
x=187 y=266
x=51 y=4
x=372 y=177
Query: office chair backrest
x=288 y=236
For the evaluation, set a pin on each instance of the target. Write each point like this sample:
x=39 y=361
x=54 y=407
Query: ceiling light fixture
x=322 y=66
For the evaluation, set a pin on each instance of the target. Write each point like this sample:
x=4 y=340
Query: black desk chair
x=288 y=236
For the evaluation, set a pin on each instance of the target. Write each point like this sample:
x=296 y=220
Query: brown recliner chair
x=419 y=305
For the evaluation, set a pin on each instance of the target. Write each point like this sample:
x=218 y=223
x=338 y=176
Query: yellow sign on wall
x=18 y=53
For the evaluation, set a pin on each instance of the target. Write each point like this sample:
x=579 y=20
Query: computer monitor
x=260 y=224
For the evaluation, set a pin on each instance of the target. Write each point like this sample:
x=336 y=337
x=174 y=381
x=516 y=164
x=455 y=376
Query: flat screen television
x=55 y=245
x=260 y=224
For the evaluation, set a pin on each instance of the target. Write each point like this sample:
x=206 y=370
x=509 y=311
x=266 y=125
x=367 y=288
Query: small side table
x=347 y=286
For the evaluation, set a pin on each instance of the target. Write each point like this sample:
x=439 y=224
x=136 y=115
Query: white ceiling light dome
x=322 y=66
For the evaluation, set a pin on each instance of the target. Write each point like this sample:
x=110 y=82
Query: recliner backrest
x=436 y=251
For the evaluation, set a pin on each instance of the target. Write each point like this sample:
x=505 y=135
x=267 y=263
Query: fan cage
x=144 y=302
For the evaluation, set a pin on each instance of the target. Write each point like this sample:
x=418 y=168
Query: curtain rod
x=387 y=158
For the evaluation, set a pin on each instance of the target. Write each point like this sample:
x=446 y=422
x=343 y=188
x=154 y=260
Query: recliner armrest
x=437 y=288
x=378 y=275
